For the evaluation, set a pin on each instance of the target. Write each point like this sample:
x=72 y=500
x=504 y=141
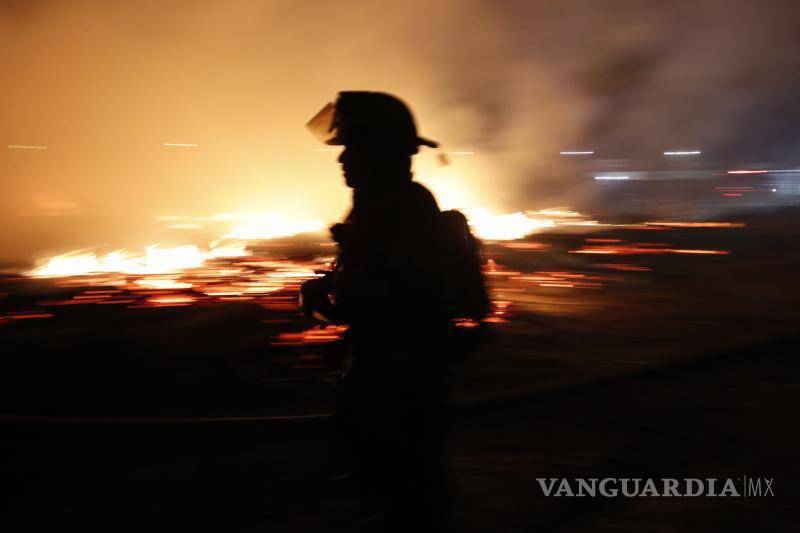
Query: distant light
x=612 y=177
x=182 y=145
x=587 y=152
x=774 y=190
x=25 y=147
x=684 y=152
x=748 y=171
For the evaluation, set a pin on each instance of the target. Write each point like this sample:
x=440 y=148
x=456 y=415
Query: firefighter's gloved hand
x=315 y=300
x=312 y=294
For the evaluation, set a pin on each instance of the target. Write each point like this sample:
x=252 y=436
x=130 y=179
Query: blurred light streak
x=747 y=171
x=527 y=246
x=171 y=301
x=24 y=315
x=697 y=224
x=577 y=152
x=684 y=152
x=624 y=267
x=612 y=177
x=313 y=336
x=561 y=280
x=642 y=249
x=700 y=252
x=25 y=147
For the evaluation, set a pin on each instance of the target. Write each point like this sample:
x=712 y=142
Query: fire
x=512 y=226
x=448 y=187
x=485 y=224
x=158 y=260
x=504 y=227
x=264 y=226
x=155 y=260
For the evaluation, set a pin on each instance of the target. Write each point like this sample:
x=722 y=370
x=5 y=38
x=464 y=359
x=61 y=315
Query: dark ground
x=686 y=370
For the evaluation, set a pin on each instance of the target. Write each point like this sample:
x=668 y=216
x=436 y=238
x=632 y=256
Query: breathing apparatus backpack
x=464 y=285
x=464 y=289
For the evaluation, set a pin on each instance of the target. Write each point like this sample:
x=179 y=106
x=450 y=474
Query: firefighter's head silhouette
x=377 y=131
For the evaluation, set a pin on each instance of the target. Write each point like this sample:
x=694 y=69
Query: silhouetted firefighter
x=403 y=272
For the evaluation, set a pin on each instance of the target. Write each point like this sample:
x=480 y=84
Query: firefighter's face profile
x=356 y=165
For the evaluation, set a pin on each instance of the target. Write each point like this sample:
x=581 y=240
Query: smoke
x=105 y=84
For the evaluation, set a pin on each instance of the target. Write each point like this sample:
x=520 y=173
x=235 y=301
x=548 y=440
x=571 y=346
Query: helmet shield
x=323 y=124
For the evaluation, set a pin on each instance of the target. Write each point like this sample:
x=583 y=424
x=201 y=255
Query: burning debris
x=251 y=227
x=267 y=272
x=155 y=260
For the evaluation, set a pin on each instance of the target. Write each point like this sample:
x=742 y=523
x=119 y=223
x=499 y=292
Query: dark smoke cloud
x=104 y=84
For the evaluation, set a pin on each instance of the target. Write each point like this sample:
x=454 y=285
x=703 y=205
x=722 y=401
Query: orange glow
x=697 y=224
